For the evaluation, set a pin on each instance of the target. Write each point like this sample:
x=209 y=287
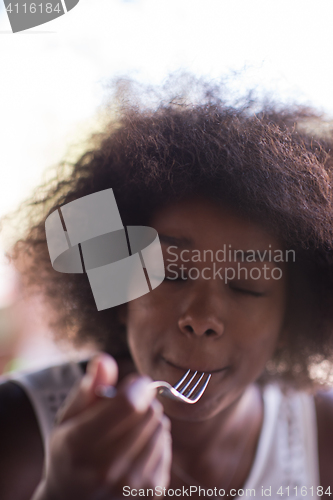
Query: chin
x=204 y=409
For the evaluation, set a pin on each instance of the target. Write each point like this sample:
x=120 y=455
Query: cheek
x=151 y=311
x=256 y=334
x=147 y=321
x=266 y=323
x=147 y=311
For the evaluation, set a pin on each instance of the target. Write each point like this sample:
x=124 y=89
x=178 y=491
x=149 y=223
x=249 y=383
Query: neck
x=220 y=432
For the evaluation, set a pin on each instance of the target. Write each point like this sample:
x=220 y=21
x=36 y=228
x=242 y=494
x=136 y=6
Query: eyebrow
x=179 y=242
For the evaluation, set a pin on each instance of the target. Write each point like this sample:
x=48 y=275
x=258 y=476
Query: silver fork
x=187 y=389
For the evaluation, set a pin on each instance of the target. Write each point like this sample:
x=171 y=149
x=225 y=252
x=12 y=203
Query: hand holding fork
x=99 y=444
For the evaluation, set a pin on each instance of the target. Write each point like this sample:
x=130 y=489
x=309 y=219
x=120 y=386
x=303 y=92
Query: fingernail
x=140 y=394
x=110 y=367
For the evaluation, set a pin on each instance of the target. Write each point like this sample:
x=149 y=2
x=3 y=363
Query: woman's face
x=210 y=315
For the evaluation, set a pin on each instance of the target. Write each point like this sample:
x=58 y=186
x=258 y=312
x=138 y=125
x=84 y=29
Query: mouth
x=194 y=368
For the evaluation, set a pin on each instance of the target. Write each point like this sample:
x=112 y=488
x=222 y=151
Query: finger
x=124 y=451
x=161 y=451
x=161 y=474
x=146 y=468
x=102 y=370
x=119 y=435
x=116 y=415
x=131 y=419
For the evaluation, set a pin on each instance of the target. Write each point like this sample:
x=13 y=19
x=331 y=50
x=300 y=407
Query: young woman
x=241 y=200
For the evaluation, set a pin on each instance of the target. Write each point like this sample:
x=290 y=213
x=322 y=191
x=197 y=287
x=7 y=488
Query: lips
x=188 y=366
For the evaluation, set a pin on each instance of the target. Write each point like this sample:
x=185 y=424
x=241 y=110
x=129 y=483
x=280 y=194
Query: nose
x=202 y=317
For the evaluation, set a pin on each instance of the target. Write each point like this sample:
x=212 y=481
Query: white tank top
x=286 y=460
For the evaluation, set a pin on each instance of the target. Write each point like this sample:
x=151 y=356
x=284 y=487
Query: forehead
x=197 y=222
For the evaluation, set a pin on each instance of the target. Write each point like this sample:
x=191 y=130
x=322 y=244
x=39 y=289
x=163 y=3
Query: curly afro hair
x=270 y=162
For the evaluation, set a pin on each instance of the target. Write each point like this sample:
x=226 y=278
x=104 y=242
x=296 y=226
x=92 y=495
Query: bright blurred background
x=54 y=78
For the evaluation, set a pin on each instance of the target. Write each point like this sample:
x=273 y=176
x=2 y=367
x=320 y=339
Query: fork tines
x=188 y=384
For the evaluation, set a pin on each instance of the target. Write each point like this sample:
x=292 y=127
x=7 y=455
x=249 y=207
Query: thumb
x=101 y=370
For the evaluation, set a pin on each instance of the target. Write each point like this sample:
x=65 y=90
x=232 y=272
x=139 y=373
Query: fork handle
x=109 y=391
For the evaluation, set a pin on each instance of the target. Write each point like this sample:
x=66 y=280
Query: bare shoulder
x=324 y=411
x=21 y=451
